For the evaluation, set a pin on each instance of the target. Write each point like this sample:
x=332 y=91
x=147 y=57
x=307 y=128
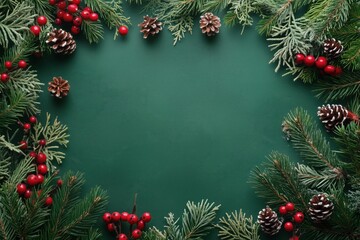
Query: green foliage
x=93 y=31
x=197 y=222
x=237 y=226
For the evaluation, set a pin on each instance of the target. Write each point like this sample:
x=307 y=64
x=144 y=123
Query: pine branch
x=8 y=145
x=154 y=234
x=42 y=7
x=93 y=31
x=14 y=23
x=238 y=226
x=309 y=141
x=216 y=5
x=179 y=27
x=239 y=12
x=172 y=228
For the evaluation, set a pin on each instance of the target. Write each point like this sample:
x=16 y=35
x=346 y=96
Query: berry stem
x=352 y=116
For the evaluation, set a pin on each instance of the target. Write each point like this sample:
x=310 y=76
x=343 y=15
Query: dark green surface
x=173 y=123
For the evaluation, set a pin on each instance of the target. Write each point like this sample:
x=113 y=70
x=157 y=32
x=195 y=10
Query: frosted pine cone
x=59 y=87
x=61 y=42
x=150 y=26
x=210 y=24
x=334 y=115
x=320 y=207
x=269 y=221
x=332 y=48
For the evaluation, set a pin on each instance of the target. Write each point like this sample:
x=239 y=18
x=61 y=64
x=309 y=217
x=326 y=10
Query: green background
x=173 y=123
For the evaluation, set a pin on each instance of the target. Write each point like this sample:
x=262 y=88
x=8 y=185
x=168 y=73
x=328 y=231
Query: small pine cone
x=269 y=221
x=334 y=115
x=210 y=24
x=150 y=26
x=59 y=87
x=61 y=42
x=320 y=207
x=332 y=48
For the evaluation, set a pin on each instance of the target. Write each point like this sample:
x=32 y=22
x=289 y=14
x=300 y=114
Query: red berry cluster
x=9 y=68
x=114 y=223
x=320 y=63
x=288 y=210
x=36 y=29
x=70 y=12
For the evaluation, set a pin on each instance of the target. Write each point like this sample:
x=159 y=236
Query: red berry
x=26 y=126
x=338 y=71
x=299 y=217
x=22 y=64
x=42 y=169
x=41 y=20
x=330 y=69
x=52 y=2
x=8 y=64
x=133 y=219
x=33 y=154
x=115 y=216
x=136 y=234
x=60 y=14
x=146 y=217
x=282 y=210
x=23 y=145
x=61 y=5
x=107 y=217
x=94 y=17
x=41 y=158
x=309 y=60
x=32 y=119
x=58 y=21
x=67 y=17
x=299 y=58
x=288 y=226
x=48 y=201
x=110 y=227
x=124 y=216
x=122 y=236
x=21 y=188
x=88 y=9
x=42 y=142
x=32 y=179
x=140 y=225
x=123 y=30
x=85 y=14
x=75 y=30
x=77 y=2
x=290 y=206
x=59 y=182
x=321 y=62
x=4 y=77
x=72 y=8
x=294 y=238
x=77 y=21
x=27 y=193
x=40 y=179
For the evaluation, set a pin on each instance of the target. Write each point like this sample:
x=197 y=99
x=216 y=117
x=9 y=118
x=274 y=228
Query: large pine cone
x=332 y=48
x=59 y=87
x=150 y=26
x=332 y=115
x=320 y=207
x=61 y=42
x=269 y=221
x=210 y=24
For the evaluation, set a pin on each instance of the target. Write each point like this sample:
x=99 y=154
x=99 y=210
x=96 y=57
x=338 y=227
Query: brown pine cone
x=334 y=115
x=150 y=26
x=320 y=207
x=61 y=42
x=210 y=24
x=269 y=221
x=59 y=87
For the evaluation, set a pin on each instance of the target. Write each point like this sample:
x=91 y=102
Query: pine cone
x=269 y=221
x=61 y=42
x=150 y=26
x=334 y=115
x=210 y=24
x=332 y=48
x=320 y=207
x=59 y=87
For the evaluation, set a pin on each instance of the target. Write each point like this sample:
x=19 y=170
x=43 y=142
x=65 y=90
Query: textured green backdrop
x=173 y=123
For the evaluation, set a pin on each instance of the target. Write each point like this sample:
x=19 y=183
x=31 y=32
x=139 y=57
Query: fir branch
x=239 y=12
x=237 y=226
x=351 y=56
x=172 y=228
x=216 y=5
x=93 y=31
x=339 y=88
x=154 y=234
x=24 y=80
x=197 y=219
x=14 y=23
x=309 y=141
x=8 y=145
x=42 y=7
x=179 y=27
x=354 y=200
x=4 y=166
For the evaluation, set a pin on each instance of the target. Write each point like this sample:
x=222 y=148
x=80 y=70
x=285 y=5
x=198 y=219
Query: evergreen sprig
x=237 y=226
